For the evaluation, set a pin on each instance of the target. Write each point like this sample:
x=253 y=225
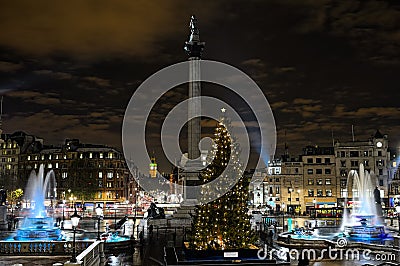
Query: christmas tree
x=224 y=222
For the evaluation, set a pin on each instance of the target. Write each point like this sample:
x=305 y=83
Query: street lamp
x=63 y=217
x=315 y=210
x=283 y=217
x=290 y=200
x=298 y=196
x=115 y=216
x=398 y=216
x=75 y=221
x=99 y=212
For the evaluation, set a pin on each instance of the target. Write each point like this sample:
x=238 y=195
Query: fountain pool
x=39 y=226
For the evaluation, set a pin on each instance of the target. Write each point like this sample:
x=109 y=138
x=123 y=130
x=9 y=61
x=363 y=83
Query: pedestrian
x=141 y=238
x=15 y=222
x=270 y=236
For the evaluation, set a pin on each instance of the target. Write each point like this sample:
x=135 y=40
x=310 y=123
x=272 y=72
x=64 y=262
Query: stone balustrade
x=41 y=248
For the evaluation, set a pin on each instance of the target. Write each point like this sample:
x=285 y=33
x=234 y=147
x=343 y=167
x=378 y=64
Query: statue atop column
x=193 y=26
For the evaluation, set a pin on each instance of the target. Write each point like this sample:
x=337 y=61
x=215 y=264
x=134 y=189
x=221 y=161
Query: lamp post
x=63 y=216
x=115 y=216
x=315 y=211
x=75 y=221
x=283 y=217
x=136 y=205
x=398 y=217
x=298 y=196
x=99 y=213
x=290 y=200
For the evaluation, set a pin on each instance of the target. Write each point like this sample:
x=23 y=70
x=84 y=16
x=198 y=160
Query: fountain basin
x=366 y=232
x=38 y=228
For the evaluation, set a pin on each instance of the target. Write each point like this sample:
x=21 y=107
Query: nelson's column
x=194 y=49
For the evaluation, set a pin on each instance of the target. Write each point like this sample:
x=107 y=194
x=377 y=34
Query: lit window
x=64 y=175
x=81 y=156
x=49 y=166
x=90 y=155
x=327 y=181
x=29 y=157
x=319 y=193
x=101 y=155
x=311 y=193
x=319 y=181
x=110 y=175
x=49 y=156
x=56 y=165
x=110 y=155
x=311 y=181
x=100 y=174
x=56 y=156
x=42 y=157
x=329 y=192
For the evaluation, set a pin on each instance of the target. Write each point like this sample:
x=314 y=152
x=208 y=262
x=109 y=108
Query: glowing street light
x=315 y=210
x=75 y=221
x=99 y=213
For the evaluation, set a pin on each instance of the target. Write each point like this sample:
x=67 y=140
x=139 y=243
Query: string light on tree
x=224 y=222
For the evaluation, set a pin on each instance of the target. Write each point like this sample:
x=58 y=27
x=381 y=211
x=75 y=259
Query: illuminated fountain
x=365 y=220
x=39 y=226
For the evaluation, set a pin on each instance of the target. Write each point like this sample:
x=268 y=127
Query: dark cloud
x=9 y=67
x=69 y=69
x=93 y=29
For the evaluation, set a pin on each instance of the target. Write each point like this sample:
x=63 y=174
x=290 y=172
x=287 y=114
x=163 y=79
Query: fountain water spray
x=363 y=221
x=39 y=188
x=38 y=226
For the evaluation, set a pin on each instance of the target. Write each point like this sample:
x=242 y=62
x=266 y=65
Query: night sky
x=68 y=69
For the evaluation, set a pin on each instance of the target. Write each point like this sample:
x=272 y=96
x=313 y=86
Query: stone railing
x=41 y=248
x=92 y=256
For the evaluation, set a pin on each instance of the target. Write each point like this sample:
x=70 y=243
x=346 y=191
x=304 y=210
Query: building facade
x=374 y=155
x=319 y=179
x=82 y=171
